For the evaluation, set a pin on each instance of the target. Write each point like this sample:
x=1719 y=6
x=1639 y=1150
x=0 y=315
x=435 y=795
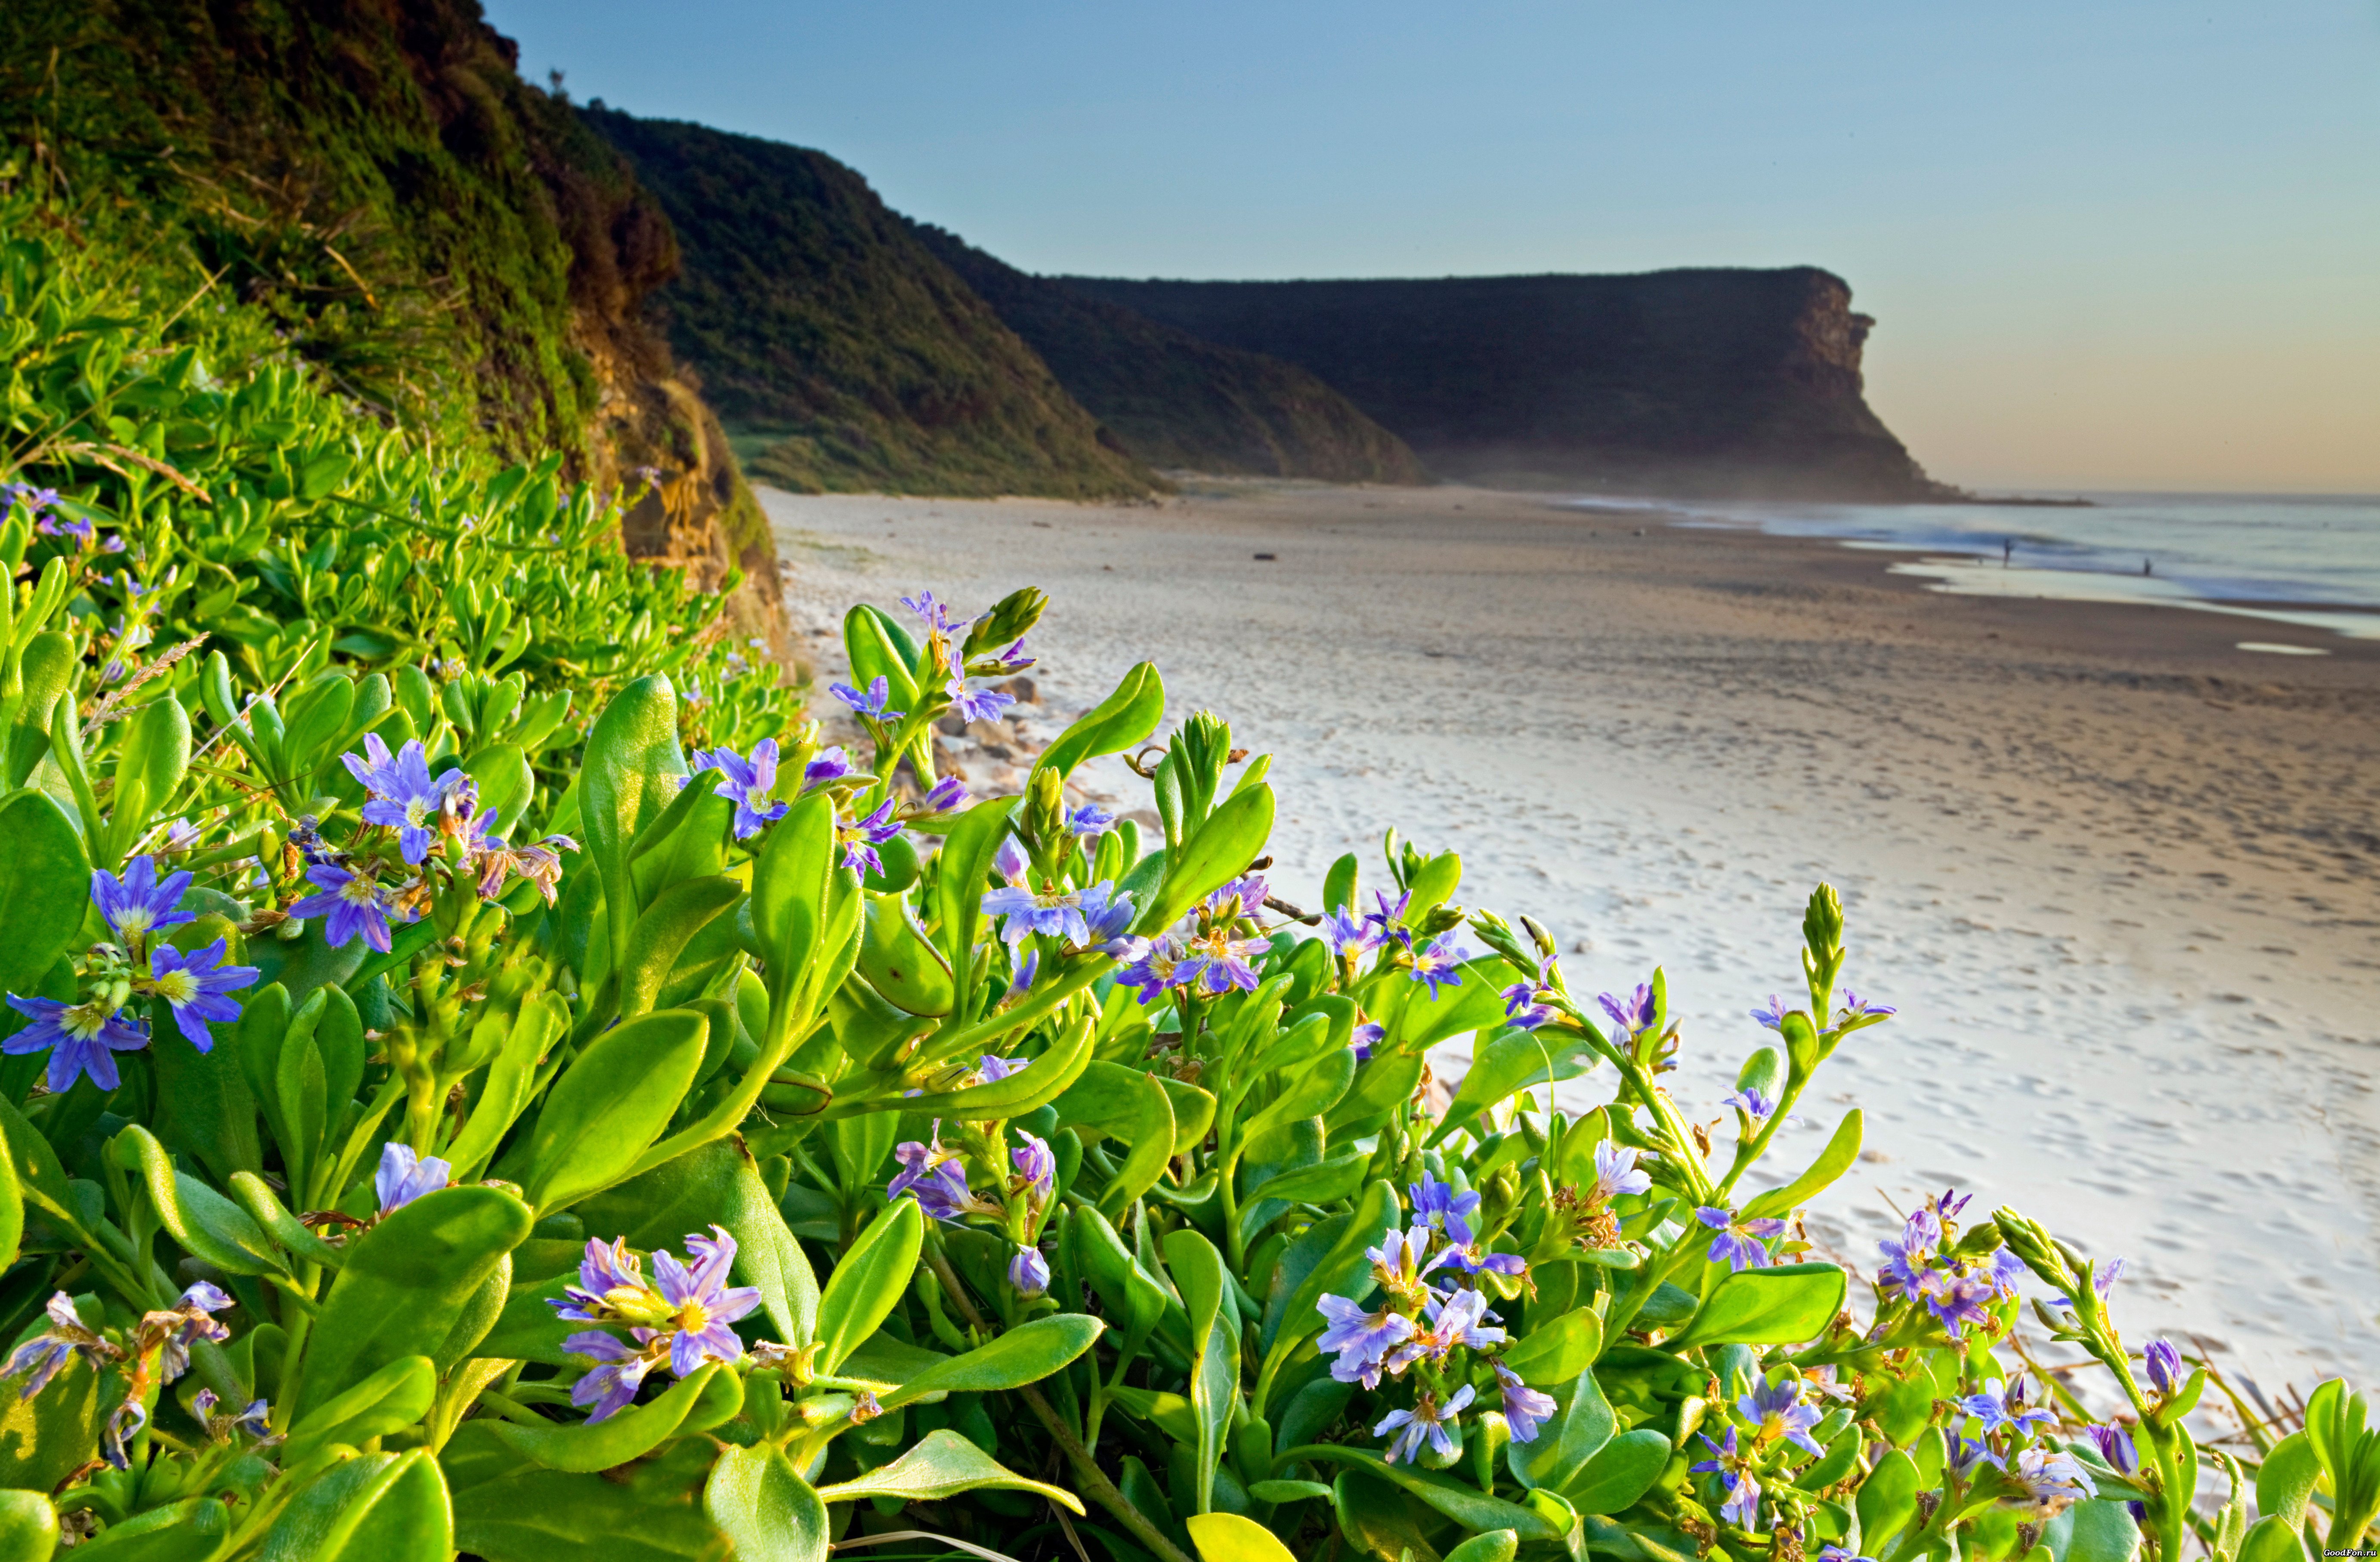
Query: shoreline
x=2122 y=878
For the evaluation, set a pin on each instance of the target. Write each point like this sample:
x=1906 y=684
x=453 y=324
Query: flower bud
x=1010 y=618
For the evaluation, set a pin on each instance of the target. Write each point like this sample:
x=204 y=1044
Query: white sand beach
x=2118 y=875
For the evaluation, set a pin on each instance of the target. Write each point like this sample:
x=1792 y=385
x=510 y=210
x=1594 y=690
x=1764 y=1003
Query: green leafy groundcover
x=482 y=1079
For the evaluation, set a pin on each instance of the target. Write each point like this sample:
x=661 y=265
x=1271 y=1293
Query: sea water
x=2310 y=560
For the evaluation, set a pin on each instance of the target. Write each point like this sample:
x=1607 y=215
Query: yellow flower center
x=178 y=986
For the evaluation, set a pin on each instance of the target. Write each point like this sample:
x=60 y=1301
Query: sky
x=2110 y=246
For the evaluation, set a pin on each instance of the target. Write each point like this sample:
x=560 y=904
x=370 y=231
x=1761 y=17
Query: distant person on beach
x=2008 y=552
x=2144 y=567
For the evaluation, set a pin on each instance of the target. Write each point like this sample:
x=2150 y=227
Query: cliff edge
x=1708 y=381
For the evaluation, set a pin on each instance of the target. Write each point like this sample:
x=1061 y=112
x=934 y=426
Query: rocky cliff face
x=442 y=239
x=1711 y=382
x=1177 y=401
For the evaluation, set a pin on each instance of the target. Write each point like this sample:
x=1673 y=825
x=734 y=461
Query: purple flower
x=1217 y=962
x=1107 y=917
x=1008 y=860
x=81 y=1039
x=1361 y=1339
x=1438 y=963
x=2164 y=1363
x=1010 y=659
x=613 y=1384
x=2114 y=1444
x=704 y=1303
x=1857 y=1008
x=1389 y=910
x=1244 y=896
x=918 y=1160
x=1353 y=937
x=942 y=1193
x=41 y=1356
x=2052 y=1478
x=1453 y=1320
x=1739 y=1243
x=1616 y=1173
x=1427 y=1420
x=1841 y=1553
x=1969 y=1455
x=1088 y=820
x=193 y=985
x=1910 y=1255
x=1401 y=1262
x=1752 y=1103
x=871 y=703
x=977 y=704
x=405 y=1176
x=1438 y=1204
x=1743 y=1504
x=991 y=1069
x=1029 y=1272
x=1525 y=1410
x=1053 y=911
x=1470 y=1260
x=180 y=836
x=943 y=796
x=1366 y=1037
x=1036 y=1164
x=1633 y=1015
x=139 y=903
x=2103 y=1282
x=749 y=783
x=830 y=765
x=1151 y=966
x=355 y=903
x=1774 y=1015
x=1522 y=1010
x=2003 y=1406
x=938 y=618
x=1957 y=1301
x=403 y=797
x=1774 y=1411
x=860 y=838
x=610 y=1286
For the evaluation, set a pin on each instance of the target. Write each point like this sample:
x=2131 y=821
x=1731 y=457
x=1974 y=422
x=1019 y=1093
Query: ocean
x=2310 y=560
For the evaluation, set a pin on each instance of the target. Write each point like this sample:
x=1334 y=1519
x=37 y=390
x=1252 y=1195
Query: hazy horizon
x=2130 y=250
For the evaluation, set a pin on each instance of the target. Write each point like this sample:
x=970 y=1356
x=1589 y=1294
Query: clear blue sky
x=2108 y=245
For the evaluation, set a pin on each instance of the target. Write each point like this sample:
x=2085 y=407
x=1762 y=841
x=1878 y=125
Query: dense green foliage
x=1713 y=380
x=844 y=356
x=449 y=245
x=1175 y=401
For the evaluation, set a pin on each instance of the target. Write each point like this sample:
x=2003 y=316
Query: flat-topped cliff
x=1707 y=381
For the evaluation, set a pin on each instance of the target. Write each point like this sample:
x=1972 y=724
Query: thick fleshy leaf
x=1841 y=1151
x=1621 y=1472
x=869 y=1282
x=1466 y=1504
x=2286 y=1482
x=1027 y=1090
x=29 y=1525
x=1227 y=1537
x=179 y=1532
x=585 y=1447
x=766 y=1512
x=1129 y=714
x=1225 y=844
x=1518 y=1062
x=942 y=1464
x=45 y=884
x=1782 y=1305
x=677 y=914
x=1373 y=1519
x=1106 y=1098
x=1887 y=1499
x=1025 y=1354
x=2105 y=1532
x=395 y=1396
x=44 y=1439
x=1312 y=1092
x=1152 y=1149
x=966 y=861
x=406 y=1283
x=1574 y=1434
x=208 y=1225
x=2269 y=1539
x=509 y=1511
x=380 y=1508
x=1198 y=1270
x=900 y=966
x=1496 y=1545
x=1558 y=1351
x=1342 y=1270
x=628 y=775
x=611 y=1103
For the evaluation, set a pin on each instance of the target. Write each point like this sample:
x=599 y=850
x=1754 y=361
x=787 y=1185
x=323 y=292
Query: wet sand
x=2122 y=879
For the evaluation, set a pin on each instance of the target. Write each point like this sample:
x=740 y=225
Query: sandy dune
x=2118 y=875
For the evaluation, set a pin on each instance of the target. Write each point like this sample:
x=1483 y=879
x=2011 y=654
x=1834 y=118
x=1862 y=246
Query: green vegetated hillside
x=1717 y=381
x=842 y=354
x=1176 y=401
x=445 y=242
